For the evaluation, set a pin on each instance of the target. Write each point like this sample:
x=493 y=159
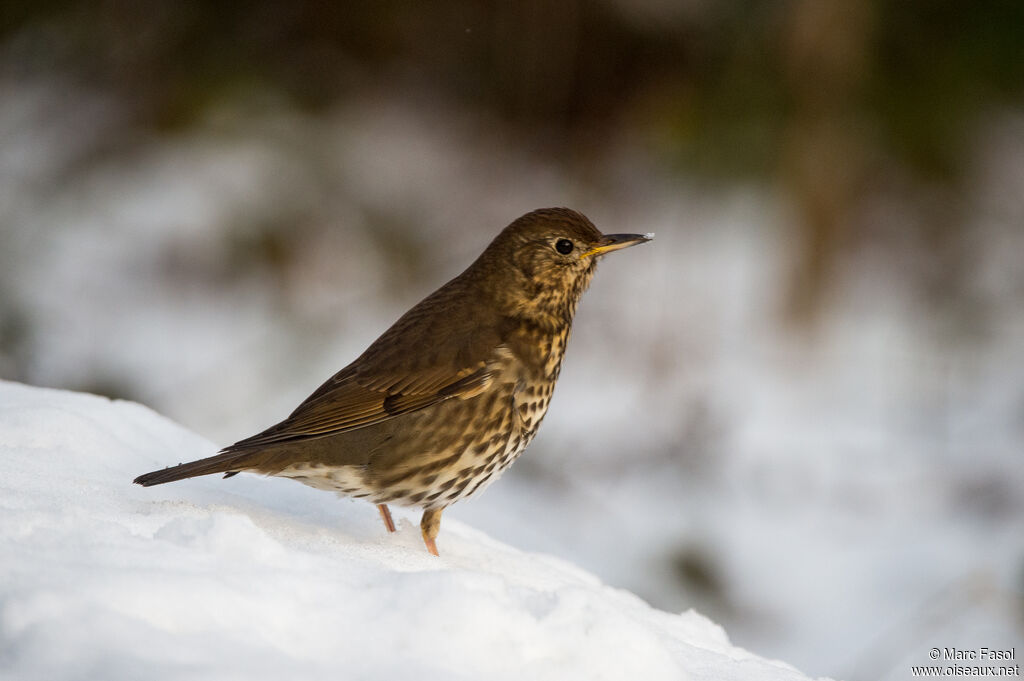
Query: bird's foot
x=431 y=546
x=385 y=515
x=430 y=526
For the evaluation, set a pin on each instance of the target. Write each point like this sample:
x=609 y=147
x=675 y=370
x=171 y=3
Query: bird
x=444 y=401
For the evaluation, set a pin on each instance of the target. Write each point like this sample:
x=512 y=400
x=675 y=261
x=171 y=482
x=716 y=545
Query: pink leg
x=430 y=525
x=385 y=515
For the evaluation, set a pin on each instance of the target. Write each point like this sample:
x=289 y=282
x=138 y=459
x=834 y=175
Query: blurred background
x=799 y=410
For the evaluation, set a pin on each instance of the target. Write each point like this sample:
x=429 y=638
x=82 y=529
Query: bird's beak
x=614 y=242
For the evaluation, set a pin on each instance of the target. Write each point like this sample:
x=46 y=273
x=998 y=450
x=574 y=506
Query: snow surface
x=256 y=578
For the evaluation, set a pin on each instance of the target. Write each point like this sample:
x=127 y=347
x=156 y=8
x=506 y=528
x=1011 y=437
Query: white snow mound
x=253 y=578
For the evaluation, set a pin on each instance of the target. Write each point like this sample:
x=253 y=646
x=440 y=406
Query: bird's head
x=543 y=262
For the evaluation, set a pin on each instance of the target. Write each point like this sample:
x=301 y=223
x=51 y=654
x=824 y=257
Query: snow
x=254 y=578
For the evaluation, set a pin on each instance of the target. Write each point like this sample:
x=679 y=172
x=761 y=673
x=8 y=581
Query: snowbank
x=254 y=578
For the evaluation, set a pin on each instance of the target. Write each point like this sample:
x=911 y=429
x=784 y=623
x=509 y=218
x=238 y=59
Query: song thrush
x=447 y=398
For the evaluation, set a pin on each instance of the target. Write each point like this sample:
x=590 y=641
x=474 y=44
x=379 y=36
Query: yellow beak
x=615 y=242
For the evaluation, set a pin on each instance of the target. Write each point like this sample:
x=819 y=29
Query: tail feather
x=226 y=462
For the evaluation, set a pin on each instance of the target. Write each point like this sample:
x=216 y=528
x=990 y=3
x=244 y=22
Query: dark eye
x=563 y=246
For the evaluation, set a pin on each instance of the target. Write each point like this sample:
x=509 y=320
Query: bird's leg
x=385 y=515
x=430 y=525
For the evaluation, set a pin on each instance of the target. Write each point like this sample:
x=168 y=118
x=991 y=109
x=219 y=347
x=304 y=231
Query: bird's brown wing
x=443 y=348
x=348 y=401
x=356 y=398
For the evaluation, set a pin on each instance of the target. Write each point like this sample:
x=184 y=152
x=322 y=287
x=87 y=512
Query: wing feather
x=387 y=381
x=351 y=400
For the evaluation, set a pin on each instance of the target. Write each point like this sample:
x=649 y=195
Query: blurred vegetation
x=827 y=99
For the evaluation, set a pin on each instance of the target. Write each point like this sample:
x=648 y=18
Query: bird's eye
x=563 y=246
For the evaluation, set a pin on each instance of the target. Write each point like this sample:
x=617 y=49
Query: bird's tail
x=225 y=462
